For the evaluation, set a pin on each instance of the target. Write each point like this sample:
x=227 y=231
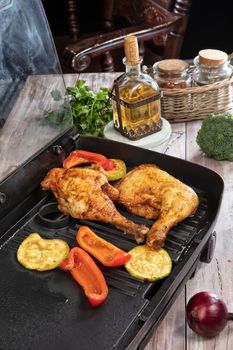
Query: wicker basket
x=194 y=103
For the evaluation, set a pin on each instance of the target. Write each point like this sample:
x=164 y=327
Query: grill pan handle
x=208 y=251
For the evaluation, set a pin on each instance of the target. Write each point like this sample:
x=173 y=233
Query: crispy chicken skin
x=154 y=194
x=85 y=193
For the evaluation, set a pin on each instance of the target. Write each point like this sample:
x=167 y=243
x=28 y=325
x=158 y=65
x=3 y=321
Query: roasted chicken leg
x=154 y=194
x=85 y=193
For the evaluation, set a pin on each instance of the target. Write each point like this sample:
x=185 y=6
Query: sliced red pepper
x=107 y=253
x=79 y=157
x=85 y=271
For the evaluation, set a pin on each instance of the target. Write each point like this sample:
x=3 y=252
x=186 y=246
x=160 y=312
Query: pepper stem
x=230 y=316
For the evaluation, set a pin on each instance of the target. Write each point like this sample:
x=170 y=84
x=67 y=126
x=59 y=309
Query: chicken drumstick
x=85 y=193
x=154 y=194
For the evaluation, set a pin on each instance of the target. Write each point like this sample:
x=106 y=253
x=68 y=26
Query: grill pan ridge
x=48 y=310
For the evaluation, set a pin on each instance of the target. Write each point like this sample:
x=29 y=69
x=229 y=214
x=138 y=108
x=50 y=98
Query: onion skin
x=206 y=314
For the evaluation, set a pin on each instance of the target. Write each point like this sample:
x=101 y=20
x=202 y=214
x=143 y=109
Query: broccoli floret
x=215 y=136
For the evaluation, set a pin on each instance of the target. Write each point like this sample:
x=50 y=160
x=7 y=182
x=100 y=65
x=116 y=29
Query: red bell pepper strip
x=85 y=271
x=107 y=253
x=79 y=157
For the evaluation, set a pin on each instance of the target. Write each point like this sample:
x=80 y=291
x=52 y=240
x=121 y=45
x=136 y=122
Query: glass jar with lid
x=211 y=66
x=172 y=74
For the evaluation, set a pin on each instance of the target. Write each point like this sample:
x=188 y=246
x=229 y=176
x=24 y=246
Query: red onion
x=206 y=314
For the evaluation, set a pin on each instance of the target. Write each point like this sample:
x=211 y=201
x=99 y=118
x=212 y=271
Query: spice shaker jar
x=172 y=74
x=211 y=66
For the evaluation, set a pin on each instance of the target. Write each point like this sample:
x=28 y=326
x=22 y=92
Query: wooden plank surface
x=216 y=277
x=20 y=138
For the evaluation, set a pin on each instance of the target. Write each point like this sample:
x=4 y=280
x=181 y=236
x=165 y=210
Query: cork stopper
x=211 y=57
x=173 y=66
x=131 y=50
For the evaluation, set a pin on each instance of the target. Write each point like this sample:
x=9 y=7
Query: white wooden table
x=173 y=332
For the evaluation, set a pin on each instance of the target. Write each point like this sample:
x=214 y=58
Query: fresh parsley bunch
x=91 y=110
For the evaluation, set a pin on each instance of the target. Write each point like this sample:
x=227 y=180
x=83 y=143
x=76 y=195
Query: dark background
x=210 y=24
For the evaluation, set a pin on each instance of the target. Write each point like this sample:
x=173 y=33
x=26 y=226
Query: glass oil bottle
x=136 y=97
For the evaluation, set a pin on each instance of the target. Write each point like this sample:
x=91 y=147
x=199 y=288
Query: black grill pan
x=48 y=310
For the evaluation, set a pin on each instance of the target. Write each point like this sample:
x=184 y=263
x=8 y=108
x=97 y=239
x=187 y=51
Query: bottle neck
x=132 y=70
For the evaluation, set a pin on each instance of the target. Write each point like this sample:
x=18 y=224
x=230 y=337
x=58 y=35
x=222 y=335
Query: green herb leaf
x=56 y=95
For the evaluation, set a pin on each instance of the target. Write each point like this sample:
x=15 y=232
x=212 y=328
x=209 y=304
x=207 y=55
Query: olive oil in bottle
x=136 y=97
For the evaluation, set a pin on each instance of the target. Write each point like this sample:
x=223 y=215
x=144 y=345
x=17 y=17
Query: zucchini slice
x=118 y=171
x=149 y=265
x=36 y=253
